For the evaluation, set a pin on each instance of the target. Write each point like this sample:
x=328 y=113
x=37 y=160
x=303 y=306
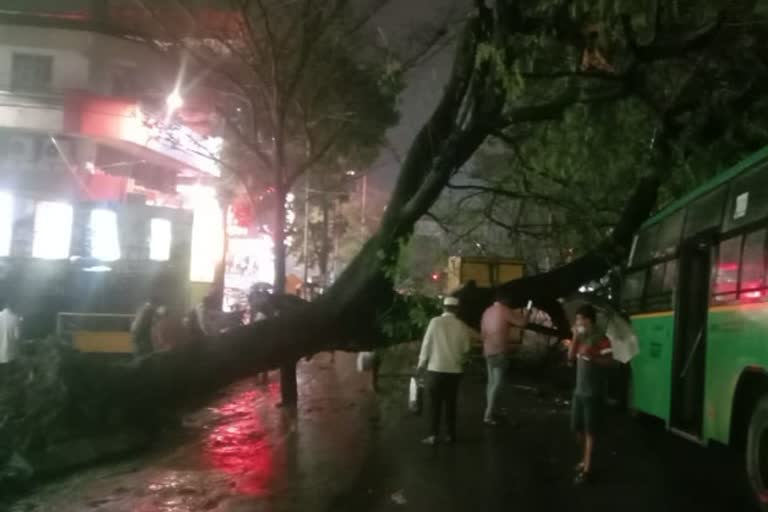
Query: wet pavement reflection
x=240 y=453
x=241 y=447
x=346 y=449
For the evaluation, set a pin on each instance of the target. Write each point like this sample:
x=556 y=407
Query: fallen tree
x=476 y=104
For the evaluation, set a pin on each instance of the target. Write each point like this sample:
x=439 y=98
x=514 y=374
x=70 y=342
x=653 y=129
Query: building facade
x=105 y=189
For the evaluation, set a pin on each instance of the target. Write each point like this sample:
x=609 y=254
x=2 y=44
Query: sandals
x=582 y=477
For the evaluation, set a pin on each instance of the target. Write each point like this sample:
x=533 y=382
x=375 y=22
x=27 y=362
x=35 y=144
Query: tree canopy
x=554 y=189
x=295 y=88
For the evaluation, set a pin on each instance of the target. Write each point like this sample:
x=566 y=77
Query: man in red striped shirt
x=591 y=351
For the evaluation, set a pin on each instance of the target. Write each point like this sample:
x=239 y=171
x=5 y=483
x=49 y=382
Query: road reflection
x=244 y=445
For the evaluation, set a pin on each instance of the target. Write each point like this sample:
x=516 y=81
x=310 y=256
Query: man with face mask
x=590 y=350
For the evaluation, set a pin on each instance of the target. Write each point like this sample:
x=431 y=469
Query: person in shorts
x=591 y=351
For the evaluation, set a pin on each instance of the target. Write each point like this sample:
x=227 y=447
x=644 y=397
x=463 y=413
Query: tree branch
x=566 y=73
x=678 y=47
x=315 y=155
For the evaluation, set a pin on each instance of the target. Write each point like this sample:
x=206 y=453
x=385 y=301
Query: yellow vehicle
x=484 y=271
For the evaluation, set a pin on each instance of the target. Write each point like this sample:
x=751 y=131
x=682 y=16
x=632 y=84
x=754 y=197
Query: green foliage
x=565 y=179
x=339 y=223
x=418 y=259
x=297 y=89
x=407 y=317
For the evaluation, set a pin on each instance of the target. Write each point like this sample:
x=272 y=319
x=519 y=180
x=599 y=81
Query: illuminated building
x=107 y=173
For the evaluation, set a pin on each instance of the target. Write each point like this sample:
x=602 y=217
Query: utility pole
x=365 y=194
x=305 y=250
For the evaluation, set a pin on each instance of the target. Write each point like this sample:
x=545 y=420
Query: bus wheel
x=757 y=453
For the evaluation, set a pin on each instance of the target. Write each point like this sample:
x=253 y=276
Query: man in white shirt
x=10 y=327
x=443 y=353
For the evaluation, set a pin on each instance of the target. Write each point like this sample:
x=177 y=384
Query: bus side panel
x=651 y=367
x=737 y=339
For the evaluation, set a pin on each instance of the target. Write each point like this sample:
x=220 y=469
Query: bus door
x=688 y=357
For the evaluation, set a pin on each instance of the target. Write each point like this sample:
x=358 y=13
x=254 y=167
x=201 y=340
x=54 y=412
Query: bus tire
x=757 y=453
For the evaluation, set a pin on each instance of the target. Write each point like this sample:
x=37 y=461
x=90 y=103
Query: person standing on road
x=500 y=327
x=443 y=353
x=591 y=351
x=209 y=316
x=141 y=327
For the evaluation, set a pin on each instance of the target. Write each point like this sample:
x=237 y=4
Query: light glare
x=6 y=223
x=53 y=231
x=105 y=241
x=160 y=238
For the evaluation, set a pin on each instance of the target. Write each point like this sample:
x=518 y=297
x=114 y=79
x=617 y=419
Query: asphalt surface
x=348 y=449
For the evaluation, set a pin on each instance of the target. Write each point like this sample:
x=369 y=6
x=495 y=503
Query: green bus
x=696 y=287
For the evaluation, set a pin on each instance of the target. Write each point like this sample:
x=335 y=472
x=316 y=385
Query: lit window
x=727 y=270
x=53 y=231
x=160 y=240
x=753 y=264
x=105 y=242
x=207 y=240
x=6 y=223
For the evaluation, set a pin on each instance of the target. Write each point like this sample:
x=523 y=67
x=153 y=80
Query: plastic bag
x=623 y=339
x=415 y=396
x=365 y=361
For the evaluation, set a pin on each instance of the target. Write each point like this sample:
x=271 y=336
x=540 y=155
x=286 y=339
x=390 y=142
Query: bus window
x=748 y=201
x=727 y=271
x=668 y=238
x=632 y=291
x=705 y=212
x=670 y=276
x=752 y=279
x=656 y=280
x=661 y=283
x=646 y=243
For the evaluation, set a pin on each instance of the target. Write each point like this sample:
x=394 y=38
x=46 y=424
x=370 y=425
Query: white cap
x=450 y=301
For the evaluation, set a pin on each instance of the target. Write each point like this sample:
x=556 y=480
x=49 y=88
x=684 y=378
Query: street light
x=174 y=101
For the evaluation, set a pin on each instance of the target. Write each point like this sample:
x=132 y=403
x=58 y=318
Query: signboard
x=742 y=202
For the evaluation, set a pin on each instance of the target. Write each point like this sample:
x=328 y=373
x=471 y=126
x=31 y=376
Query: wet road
x=346 y=450
x=241 y=453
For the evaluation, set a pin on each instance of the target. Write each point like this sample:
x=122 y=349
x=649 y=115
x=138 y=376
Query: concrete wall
x=87 y=61
x=71 y=64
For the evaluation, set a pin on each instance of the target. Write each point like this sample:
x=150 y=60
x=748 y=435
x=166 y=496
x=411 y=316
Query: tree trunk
x=325 y=240
x=288 y=387
x=278 y=238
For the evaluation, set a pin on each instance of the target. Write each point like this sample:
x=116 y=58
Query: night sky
x=400 y=21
